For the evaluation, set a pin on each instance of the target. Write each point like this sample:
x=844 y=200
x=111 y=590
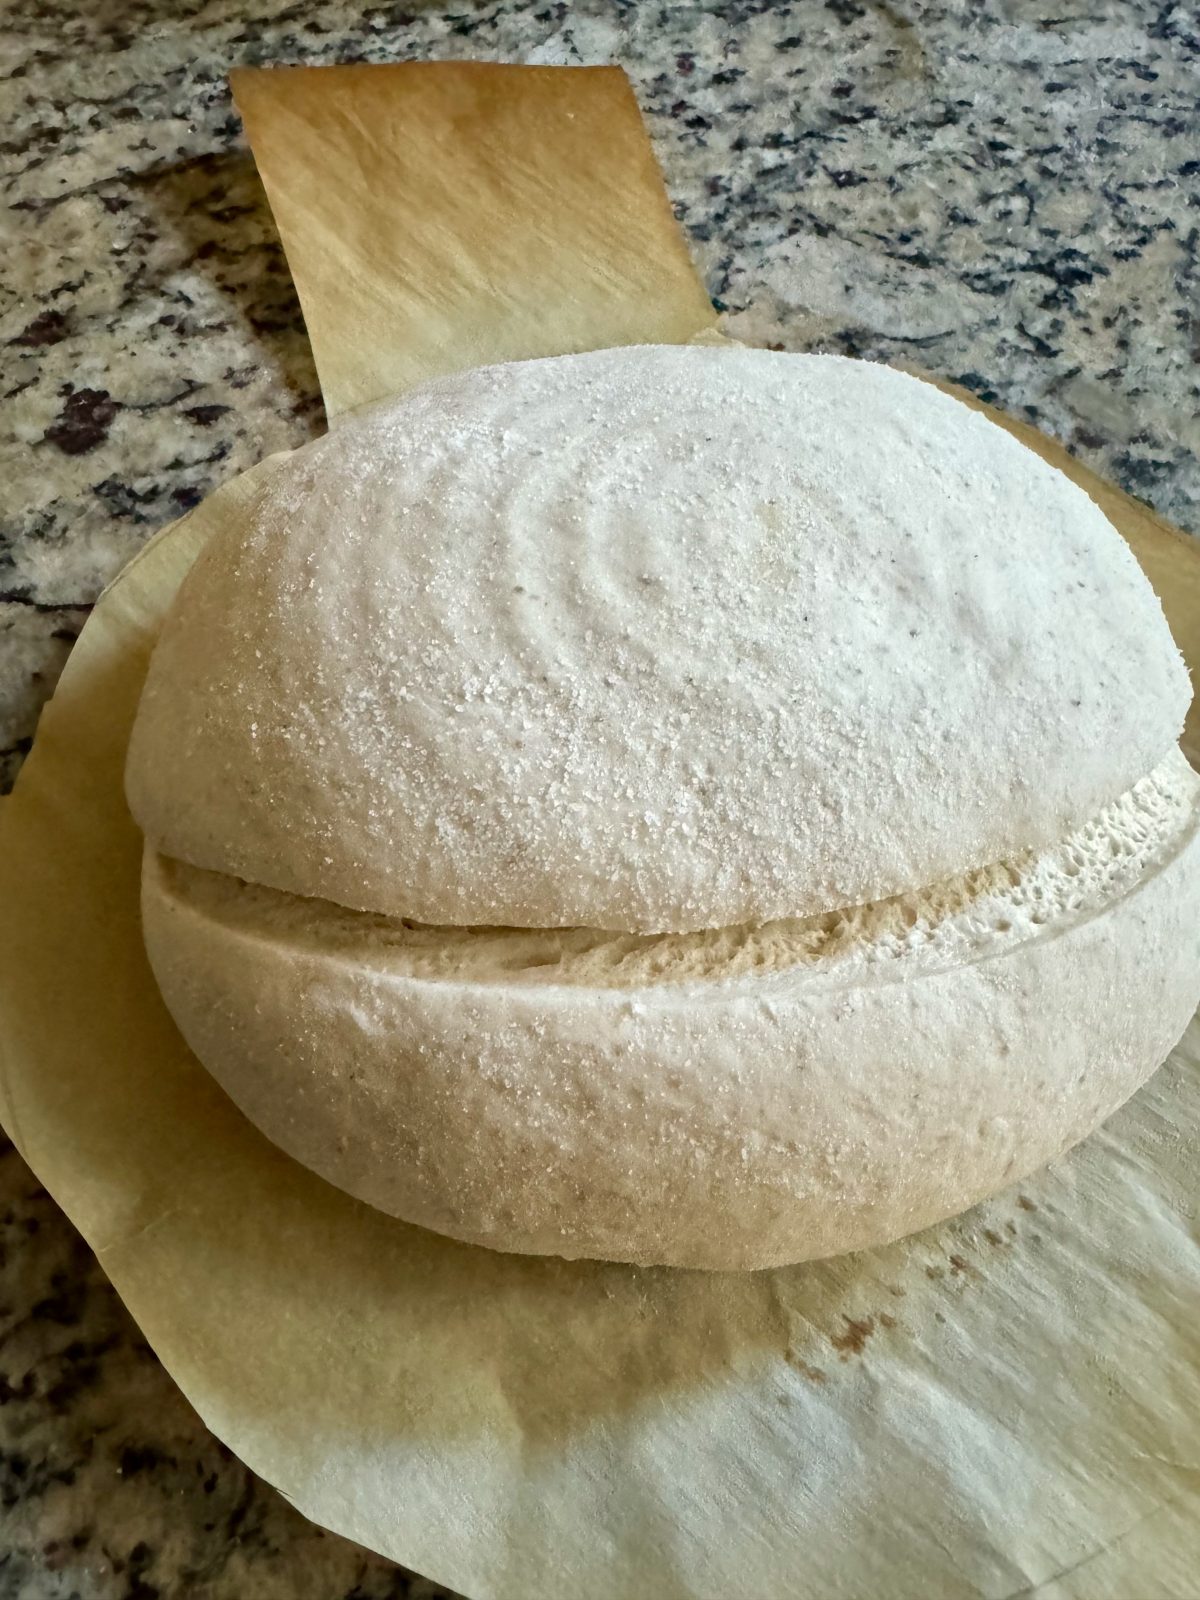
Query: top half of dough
x=652 y=638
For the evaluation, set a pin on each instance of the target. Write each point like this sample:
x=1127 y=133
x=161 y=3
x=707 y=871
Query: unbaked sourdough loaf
x=677 y=805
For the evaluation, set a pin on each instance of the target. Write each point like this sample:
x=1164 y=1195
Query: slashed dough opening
x=956 y=921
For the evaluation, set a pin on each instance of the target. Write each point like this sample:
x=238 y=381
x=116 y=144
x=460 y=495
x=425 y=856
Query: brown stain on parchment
x=813 y=1374
x=854 y=1340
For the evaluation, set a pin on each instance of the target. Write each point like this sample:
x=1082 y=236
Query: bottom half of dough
x=729 y=1100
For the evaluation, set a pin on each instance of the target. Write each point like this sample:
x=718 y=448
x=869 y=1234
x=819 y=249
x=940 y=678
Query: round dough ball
x=687 y=806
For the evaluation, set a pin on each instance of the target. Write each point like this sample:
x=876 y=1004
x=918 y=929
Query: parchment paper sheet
x=378 y=176
x=1003 y=1406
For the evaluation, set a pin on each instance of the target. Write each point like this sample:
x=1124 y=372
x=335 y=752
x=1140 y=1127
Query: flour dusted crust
x=684 y=806
x=651 y=639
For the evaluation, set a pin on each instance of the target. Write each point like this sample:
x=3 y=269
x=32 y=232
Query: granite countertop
x=1004 y=194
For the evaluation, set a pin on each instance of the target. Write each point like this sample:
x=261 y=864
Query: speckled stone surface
x=1003 y=193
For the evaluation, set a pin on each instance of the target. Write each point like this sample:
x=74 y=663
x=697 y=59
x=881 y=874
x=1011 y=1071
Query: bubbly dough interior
x=947 y=924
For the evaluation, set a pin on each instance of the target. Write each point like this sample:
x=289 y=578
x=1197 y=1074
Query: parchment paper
x=1002 y=1406
x=378 y=176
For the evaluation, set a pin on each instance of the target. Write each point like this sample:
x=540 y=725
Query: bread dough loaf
x=688 y=806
